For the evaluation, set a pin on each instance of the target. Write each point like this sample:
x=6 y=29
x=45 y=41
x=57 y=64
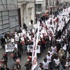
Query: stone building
x=9 y=16
x=27 y=11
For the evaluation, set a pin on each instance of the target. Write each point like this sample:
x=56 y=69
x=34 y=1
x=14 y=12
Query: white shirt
x=16 y=38
x=57 y=61
x=51 y=53
x=53 y=49
x=39 y=68
x=67 y=64
x=64 y=47
x=45 y=65
x=48 y=58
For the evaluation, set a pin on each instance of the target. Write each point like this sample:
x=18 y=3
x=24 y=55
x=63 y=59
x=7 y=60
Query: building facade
x=9 y=17
x=27 y=10
x=64 y=3
x=38 y=8
x=61 y=1
x=43 y=5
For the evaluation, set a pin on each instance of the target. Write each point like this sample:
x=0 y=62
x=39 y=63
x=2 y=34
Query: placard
x=30 y=48
x=10 y=47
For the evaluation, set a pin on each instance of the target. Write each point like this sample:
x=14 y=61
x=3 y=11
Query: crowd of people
x=54 y=35
x=58 y=53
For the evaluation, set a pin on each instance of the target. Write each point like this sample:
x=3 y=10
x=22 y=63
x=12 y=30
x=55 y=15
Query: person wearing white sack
x=57 y=63
x=48 y=57
x=54 y=49
x=16 y=37
x=51 y=52
x=45 y=64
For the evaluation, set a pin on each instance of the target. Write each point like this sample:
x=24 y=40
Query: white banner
x=34 y=52
x=10 y=47
x=30 y=48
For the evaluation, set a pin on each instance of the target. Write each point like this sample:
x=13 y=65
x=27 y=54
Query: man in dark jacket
x=5 y=58
x=20 y=47
x=28 y=65
x=15 y=54
x=52 y=65
x=3 y=42
x=24 y=26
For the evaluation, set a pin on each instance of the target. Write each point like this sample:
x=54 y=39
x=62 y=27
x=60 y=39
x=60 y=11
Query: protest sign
x=10 y=47
x=30 y=48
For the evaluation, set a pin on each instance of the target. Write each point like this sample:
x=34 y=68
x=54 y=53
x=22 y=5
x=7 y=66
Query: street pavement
x=23 y=59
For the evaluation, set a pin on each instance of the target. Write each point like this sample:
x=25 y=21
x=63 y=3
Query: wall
x=27 y=9
x=9 y=20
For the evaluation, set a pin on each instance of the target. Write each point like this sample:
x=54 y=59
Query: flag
x=34 y=52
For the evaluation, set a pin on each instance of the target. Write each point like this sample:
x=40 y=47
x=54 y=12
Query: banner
x=30 y=48
x=10 y=47
x=34 y=52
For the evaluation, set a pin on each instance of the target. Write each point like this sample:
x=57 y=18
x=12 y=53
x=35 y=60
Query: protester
x=24 y=26
x=52 y=65
x=48 y=57
x=28 y=65
x=15 y=54
x=40 y=66
x=45 y=64
x=57 y=63
x=3 y=42
x=20 y=47
x=5 y=58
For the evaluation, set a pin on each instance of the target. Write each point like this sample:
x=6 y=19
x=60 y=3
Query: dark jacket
x=5 y=59
x=28 y=65
x=51 y=65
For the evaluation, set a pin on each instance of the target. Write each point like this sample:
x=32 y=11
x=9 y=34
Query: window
x=5 y=17
x=5 y=13
x=8 y=20
x=0 y=26
x=38 y=7
x=0 y=22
